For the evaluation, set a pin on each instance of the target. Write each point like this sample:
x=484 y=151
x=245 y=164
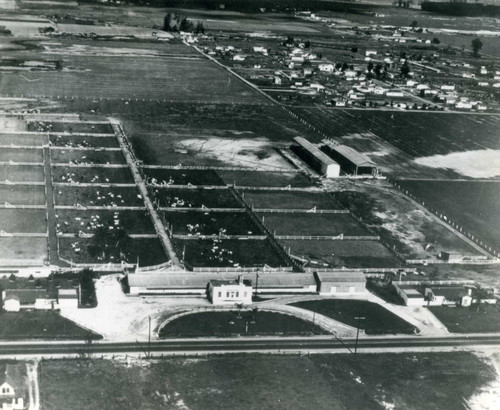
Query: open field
x=182 y=176
x=337 y=254
x=21 y=155
x=268 y=381
x=23 y=220
x=97 y=196
x=229 y=253
x=23 y=248
x=289 y=200
x=86 y=157
x=473 y=319
x=473 y=205
x=70 y=127
x=22 y=194
x=174 y=79
x=195 y=198
x=223 y=324
x=92 y=175
x=312 y=224
x=41 y=325
x=148 y=250
x=21 y=173
x=74 y=221
x=211 y=223
x=26 y=140
x=265 y=179
x=378 y=320
x=63 y=140
x=409 y=230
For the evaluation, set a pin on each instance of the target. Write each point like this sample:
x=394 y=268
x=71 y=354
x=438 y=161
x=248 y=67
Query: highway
x=303 y=344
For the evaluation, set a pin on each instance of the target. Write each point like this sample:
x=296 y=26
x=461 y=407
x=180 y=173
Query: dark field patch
x=182 y=176
x=195 y=198
x=70 y=127
x=289 y=200
x=92 y=175
x=473 y=319
x=97 y=196
x=265 y=179
x=63 y=140
x=86 y=157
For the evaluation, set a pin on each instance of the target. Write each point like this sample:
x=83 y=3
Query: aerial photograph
x=249 y=204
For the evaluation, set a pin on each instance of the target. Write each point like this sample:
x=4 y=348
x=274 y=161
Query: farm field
x=312 y=224
x=21 y=173
x=411 y=231
x=26 y=140
x=182 y=176
x=70 y=127
x=289 y=200
x=337 y=254
x=474 y=205
x=92 y=175
x=23 y=220
x=148 y=250
x=229 y=253
x=211 y=223
x=21 y=155
x=195 y=198
x=473 y=319
x=97 y=196
x=63 y=140
x=274 y=381
x=173 y=79
x=74 y=221
x=265 y=179
x=378 y=320
x=41 y=325
x=224 y=324
x=22 y=194
x=86 y=156
x=18 y=248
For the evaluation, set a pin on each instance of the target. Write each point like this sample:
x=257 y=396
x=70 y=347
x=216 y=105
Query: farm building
x=67 y=298
x=230 y=292
x=410 y=295
x=315 y=158
x=448 y=295
x=196 y=284
x=451 y=257
x=351 y=161
x=17 y=299
x=341 y=282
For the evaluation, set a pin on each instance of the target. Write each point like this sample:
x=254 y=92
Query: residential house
x=448 y=295
x=17 y=299
x=14 y=386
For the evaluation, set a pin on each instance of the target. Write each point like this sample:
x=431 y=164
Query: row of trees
x=176 y=22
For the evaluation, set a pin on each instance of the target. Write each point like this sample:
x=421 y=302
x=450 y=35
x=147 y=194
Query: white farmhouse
x=230 y=292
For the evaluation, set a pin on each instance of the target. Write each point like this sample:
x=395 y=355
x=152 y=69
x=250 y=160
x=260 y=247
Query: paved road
x=303 y=344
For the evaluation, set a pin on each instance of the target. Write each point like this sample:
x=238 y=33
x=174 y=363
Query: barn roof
x=352 y=155
x=15 y=375
x=318 y=154
x=341 y=276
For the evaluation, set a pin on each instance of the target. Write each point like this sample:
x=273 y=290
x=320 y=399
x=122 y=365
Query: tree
x=354 y=49
x=378 y=70
x=307 y=44
x=414 y=24
x=436 y=40
x=405 y=69
x=289 y=41
x=477 y=45
x=167 y=22
x=200 y=29
x=370 y=66
x=185 y=25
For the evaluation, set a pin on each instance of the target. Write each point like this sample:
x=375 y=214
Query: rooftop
x=314 y=150
x=352 y=155
x=26 y=296
x=341 y=276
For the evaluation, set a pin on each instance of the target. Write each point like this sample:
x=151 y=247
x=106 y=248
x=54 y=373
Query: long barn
x=315 y=158
x=351 y=161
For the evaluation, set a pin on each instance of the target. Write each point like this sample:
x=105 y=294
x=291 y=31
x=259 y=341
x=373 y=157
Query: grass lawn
x=473 y=319
x=21 y=155
x=351 y=254
x=208 y=324
x=97 y=196
x=40 y=325
x=378 y=320
x=312 y=224
x=212 y=223
x=23 y=248
x=289 y=200
x=265 y=179
x=26 y=140
x=229 y=253
x=22 y=194
x=23 y=220
x=21 y=173
x=92 y=175
x=267 y=382
x=195 y=198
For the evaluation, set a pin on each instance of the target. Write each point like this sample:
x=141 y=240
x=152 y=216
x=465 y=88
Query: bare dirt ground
x=489 y=396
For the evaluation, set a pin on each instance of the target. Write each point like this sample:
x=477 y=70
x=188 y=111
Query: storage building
x=315 y=158
x=340 y=282
x=351 y=161
x=410 y=295
x=230 y=292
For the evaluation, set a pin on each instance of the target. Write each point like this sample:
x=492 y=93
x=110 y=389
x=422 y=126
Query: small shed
x=340 y=282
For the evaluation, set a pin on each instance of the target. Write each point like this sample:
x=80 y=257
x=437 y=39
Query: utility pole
x=256 y=284
x=149 y=337
x=359 y=319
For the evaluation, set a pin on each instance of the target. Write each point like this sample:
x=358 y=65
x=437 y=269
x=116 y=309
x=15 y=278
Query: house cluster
x=443 y=295
x=234 y=288
x=20 y=295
